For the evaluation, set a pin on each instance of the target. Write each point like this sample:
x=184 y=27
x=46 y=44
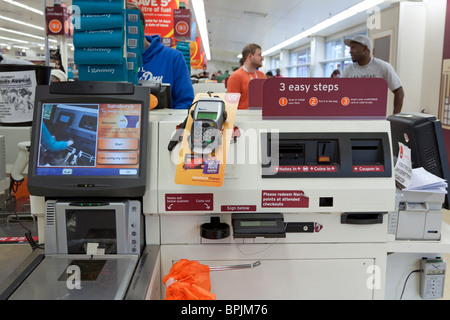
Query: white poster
x=403 y=167
x=17 y=91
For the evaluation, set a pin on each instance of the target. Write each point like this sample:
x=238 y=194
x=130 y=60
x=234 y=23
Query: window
x=274 y=64
x=334 y=49
x=337 y=54
x=329 y=67
x=300 y=61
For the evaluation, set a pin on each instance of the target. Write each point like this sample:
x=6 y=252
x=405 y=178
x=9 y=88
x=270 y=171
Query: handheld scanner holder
x=206 y=130
x=21 y=161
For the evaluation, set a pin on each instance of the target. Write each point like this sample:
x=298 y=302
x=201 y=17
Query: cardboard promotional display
x=207 y=169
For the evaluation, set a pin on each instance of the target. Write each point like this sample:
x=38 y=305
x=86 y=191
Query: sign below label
x=284 y=199
x=237 y=208
x=189 y=202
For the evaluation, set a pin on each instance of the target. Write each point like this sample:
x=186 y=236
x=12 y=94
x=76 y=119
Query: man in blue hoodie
x=166 y=65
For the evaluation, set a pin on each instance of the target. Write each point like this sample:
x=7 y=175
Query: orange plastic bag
x=188 y=280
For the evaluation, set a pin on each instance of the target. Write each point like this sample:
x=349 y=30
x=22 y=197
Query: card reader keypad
x=204 y=132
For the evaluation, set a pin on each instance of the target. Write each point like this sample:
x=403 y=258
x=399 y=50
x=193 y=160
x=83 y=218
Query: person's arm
x=50 y=142
x=182 y=90
x=395 y=85
x=398 y=99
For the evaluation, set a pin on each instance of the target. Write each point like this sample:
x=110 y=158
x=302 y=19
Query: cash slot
x=291 y=153
x=323 y=155
x=309 y=152
x=362 y=218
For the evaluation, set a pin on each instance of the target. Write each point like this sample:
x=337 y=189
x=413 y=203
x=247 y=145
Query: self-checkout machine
x=93 y=222
x=418 y=236
x=300 y=212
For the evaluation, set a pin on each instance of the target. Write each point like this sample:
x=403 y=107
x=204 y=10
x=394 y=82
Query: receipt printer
x=418 y=217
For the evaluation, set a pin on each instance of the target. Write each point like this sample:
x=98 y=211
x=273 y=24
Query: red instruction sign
x=182 y=23
x=189 y=202
x=15 y=239
x=306 y=168
x=324 y=98
x=284 y=199
x=368 y=168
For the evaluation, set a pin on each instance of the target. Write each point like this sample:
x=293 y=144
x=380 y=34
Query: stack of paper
x=424 y=181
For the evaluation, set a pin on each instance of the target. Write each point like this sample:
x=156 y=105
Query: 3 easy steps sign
x=324 y=98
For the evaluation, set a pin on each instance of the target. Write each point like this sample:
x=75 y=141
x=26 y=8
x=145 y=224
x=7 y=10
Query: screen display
x=207 y=115
x=259 y=223
x=64 y=118
x=435 y=272
x=91 y=226
x=89 y=139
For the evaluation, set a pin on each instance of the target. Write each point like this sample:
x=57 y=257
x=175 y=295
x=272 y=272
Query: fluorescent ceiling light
x=21 y=47
x=200 y=16
x=364 y=5
x=24 y=6
x=21 y=23
x=360 y=7
x=255 y=14
x=26 y=34
x=22 y=33
x=14 y=40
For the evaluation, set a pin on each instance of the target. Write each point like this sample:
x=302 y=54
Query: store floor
x=15 y=250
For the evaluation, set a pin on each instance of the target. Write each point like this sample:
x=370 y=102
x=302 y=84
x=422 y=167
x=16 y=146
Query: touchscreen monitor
x=89 y=140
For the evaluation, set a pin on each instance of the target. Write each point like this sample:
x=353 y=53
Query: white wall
x=31 y=54
x=433 y=49
x=410 y=52
x=419 y=54
x=214 y=66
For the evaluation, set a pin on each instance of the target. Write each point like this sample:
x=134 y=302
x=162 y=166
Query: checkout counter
x=303 y=217
x=303 y=213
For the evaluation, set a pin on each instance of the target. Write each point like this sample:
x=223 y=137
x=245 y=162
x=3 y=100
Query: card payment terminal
x=208 y=117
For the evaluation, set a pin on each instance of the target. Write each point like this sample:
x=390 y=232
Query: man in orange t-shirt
x=239 y=79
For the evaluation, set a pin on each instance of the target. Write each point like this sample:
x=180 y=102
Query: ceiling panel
x=11 y=11
x=231 y=29
x=232 y=23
